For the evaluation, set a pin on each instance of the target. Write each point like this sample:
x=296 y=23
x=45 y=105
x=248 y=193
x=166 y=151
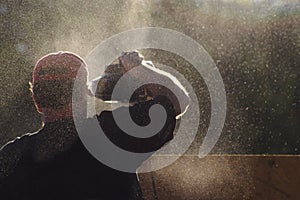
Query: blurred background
x=254 y=43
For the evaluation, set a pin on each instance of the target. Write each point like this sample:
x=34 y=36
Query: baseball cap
x=61 y=65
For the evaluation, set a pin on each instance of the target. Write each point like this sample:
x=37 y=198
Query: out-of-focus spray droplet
x=3 y=9
x=22 y=47
x=199 y=3
x=157 y=1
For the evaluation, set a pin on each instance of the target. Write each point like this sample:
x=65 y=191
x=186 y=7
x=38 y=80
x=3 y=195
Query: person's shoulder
x=12 y=152
x=141 y=108
x=18 y=142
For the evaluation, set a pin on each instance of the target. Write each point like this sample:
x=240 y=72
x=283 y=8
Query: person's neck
x=66 y=112
x=51 y=115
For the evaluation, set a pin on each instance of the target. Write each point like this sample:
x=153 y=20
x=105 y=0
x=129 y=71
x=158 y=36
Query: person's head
x=103 y=86
x=53 y=81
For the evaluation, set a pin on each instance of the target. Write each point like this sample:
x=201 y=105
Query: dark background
x=255 y=45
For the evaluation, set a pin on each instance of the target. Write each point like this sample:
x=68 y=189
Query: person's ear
x=39 y=109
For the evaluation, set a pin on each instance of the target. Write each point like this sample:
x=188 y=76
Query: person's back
x=46 y=169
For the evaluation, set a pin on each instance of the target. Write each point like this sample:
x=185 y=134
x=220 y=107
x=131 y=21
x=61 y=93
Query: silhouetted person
x=53 y=163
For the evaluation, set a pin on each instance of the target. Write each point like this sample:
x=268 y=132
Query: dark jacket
x=53 y=163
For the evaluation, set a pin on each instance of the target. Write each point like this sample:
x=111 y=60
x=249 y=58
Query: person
x=52 y=163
